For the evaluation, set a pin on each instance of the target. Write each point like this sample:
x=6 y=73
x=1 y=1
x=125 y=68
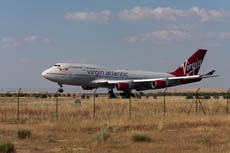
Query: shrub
x=51 y=137
x=140 y=137
x=43 y=95
x=23 y=133
x=35 y=95
x=205 y=137
x=8 y=94
x=189 y=97
x=226 y=97
x=155 y=96
x=7 y=147
x=103 y=135
x=161 y=126
x=68 y=95
x=83 y=96
x=142 y=94
x=207 y=97
x=216 y=96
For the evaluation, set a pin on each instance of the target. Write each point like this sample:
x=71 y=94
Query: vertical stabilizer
x=192 y=65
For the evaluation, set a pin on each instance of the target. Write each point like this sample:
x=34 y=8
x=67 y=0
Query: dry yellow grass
x=75 y=130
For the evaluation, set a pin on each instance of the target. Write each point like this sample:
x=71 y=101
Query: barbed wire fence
x=21 y=106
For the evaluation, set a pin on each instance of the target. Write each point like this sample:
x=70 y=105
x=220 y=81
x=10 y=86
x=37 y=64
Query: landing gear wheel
x=126 y=94
x=111 y=94
x=60 y=90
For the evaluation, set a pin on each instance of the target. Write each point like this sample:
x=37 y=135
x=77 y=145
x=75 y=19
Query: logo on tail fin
x=191 y=68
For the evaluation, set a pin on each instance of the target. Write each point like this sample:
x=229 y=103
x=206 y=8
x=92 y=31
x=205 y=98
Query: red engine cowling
x=159 y=84
x=124 y=86
x=87 y=88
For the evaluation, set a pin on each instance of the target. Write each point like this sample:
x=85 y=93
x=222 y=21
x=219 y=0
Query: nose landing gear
x=60 y=89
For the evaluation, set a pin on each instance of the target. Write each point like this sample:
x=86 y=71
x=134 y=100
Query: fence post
x=227 y=99
x=94 y=103
x=19 y=90
x=57 y=94
x=164 y=105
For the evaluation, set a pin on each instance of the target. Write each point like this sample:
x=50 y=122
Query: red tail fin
x=192 y=65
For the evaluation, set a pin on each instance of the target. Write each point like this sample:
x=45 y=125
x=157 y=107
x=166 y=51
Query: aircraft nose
x=44 y=74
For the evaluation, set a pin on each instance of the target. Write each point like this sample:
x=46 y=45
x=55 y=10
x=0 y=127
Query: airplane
x=92 y=77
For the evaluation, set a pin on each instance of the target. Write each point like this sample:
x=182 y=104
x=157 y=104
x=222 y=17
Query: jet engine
x=124 y=86
x=159 y=84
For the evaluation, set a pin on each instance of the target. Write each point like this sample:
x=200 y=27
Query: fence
x=43 y=108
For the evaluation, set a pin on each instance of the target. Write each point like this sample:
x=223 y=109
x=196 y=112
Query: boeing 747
x=91 y=77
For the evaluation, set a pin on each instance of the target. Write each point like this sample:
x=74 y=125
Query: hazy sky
x=155 y=35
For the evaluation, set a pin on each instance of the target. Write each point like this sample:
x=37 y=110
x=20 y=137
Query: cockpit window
x=57 y=65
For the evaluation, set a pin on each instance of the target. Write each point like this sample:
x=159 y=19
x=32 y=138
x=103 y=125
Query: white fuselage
x=84 y=75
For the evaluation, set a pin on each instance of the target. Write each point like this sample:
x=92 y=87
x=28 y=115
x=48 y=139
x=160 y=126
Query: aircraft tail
x=192 y=65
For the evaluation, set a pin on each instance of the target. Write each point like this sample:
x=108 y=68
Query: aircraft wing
x=143 y=84
x=103 y=81
x=154 y=83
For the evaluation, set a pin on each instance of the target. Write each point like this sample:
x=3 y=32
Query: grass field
x=112 y=129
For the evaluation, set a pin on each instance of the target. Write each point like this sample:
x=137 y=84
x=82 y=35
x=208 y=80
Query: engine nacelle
x=124 y=86
x=159 y=84
x=87 y=88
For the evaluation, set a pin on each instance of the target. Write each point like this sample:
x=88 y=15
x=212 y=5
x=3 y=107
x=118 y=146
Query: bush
x=226 y=97
x=216 y=97
x=155 y=96
x=103 y=135
x=7 y=147
x=206 y=97
x=83 y=96
x=204 y=138
x=140 y=137
x=189 y=97
x=43 y=95
x=142 y=94
x=8 y=94
x=23 y=133
x=68 y=95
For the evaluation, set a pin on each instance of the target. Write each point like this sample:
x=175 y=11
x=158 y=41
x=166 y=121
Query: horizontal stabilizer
x=209 y=74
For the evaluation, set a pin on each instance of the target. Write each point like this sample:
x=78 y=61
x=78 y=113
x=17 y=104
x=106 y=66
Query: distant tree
x=49 y=95
x=142 y=94
x=189 y=96
x=155 y=96
x=8 y=94
x=68 y=94
x=83 y=96
x=43 y=96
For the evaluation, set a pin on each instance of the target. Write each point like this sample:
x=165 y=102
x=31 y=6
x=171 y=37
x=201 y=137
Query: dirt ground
x=75 y=130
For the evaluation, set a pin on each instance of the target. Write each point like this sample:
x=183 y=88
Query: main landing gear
x=111 y=94
x=124 y=94
x=127 y=94
x=60 y=89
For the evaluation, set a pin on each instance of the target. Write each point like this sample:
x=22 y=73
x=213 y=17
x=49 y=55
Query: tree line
x=188 y=95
